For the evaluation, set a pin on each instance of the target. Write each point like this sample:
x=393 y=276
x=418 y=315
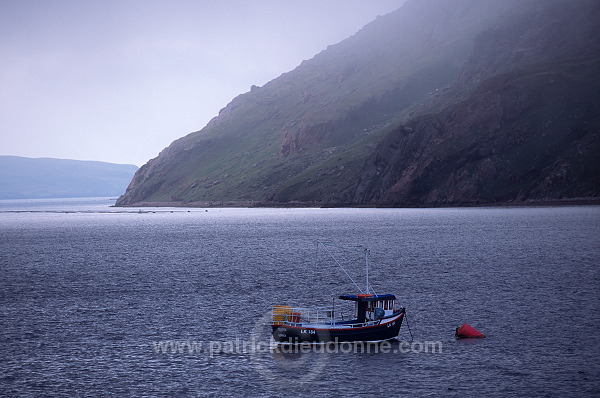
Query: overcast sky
x=119 y=80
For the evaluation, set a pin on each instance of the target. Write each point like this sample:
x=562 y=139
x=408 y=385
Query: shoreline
x=295 y=204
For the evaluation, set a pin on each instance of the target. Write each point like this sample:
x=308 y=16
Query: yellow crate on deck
x=280 y=313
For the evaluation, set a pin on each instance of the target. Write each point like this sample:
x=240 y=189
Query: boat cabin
x=372 y=306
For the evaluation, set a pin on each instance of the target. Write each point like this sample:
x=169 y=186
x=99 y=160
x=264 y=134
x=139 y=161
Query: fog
x=118 y=81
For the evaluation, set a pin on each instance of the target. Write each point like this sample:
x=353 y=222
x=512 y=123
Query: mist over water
x=86 y=296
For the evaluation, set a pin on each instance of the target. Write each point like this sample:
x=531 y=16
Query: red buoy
x=467 y=331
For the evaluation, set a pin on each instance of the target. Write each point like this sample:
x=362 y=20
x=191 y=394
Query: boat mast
x=367 y=266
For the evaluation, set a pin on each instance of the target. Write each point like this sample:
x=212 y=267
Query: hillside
x=439 y=102
x=29 y=178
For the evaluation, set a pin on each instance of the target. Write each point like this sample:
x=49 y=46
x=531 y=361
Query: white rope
x=337 y=262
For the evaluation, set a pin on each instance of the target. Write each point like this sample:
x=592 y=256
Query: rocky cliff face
x=441 y=102
x=530 y=133
x=520 y=136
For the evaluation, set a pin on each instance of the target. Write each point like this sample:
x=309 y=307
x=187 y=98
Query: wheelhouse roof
x=375 y=297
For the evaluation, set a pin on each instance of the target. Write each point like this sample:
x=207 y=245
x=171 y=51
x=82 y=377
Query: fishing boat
x=375 y=317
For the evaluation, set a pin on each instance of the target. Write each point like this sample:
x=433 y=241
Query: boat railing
x=287 y=315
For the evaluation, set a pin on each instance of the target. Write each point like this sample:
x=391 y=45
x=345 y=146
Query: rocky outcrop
x=304 y=137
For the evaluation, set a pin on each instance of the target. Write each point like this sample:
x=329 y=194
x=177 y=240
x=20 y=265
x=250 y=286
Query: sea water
x=99 y=301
